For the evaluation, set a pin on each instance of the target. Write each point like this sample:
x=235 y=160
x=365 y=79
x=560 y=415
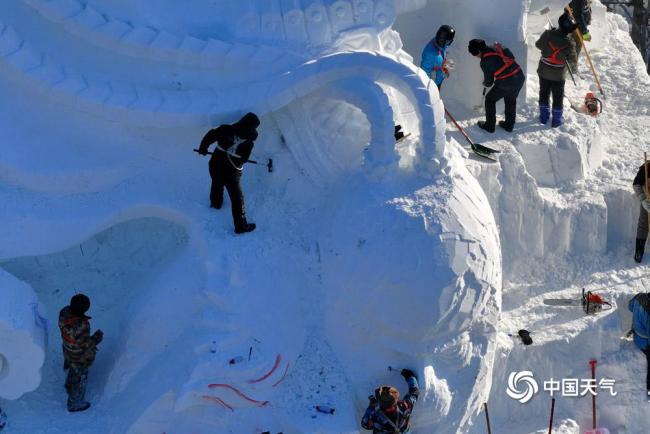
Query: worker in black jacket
x=638 y=185
x=234 y=146
x=506 y=78
x=581 y=12
x=558 y=55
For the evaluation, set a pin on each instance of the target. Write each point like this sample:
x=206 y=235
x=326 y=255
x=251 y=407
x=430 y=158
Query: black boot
x=640 y=248
x=245 y=227
x=484 y=126
x=505 y=126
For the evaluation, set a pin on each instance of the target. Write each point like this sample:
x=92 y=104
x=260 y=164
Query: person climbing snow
x=386 y=413
x=434 y=55
x=642 y=225
x=558 y=54
x=640 y=308
x=581 y=12
x=79 y=349
x=505 y=76
x=234 y=146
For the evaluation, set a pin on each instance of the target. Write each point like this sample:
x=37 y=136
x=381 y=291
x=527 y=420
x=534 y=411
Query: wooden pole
x=645 y=184
x=487 y=417
x=550 y=424
x=584 y=48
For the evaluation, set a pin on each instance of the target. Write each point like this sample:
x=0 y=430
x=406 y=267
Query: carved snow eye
x=363 y=7
x=382 y=19
x=292 y=18
x=316 y=16
x=340 y=12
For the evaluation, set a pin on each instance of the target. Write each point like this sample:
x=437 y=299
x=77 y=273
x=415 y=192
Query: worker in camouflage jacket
x=79 y=349
x=386 y=413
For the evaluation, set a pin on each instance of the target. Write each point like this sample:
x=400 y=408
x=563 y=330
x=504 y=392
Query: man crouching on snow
x=79 y=349
x=640 y=308
x=386 y=413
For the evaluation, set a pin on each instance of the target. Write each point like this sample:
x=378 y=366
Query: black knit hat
x=476 y=46
x=79 y=304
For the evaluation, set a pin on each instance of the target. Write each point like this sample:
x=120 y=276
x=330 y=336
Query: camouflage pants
x=75 y=385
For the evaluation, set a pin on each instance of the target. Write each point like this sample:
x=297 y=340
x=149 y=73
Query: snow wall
x=471 y=19
x=22 y=338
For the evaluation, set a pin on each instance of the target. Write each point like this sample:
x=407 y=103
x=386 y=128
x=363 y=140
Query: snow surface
x=366 y=254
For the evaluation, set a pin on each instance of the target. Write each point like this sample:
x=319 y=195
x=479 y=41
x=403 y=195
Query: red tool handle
x=593 y=397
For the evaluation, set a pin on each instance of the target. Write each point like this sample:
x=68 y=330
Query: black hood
x=246 y=126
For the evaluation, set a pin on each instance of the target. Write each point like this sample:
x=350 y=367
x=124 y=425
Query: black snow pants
x=548 y=88
x=509 y=95
x=642 y=224
x=230 y=180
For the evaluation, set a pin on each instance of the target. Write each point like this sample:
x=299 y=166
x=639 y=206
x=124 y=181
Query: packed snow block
x=412 y=277
x=27 y=58
x=73 y=84
x=97 y=93
x=174 y=101
x=10 y=42
x=49 y=72
x=115 y=29
x=138 y=38
x=190 y=47
x=122 y=95
x=317 y=22
x=294 y=23
x=165 y=41
x=23 y=332
x=148 y=100
x=89 y=18
x=58 y=11
x=341 y=15
x=623 y=210
x=363 y=12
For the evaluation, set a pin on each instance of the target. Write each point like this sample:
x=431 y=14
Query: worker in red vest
x=506 y=78
x=558 y=49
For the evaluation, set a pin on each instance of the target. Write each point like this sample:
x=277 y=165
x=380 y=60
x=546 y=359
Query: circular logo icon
x=522 y=386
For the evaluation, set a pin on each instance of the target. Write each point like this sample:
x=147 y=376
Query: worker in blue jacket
x=640 y=308
x=434 y=55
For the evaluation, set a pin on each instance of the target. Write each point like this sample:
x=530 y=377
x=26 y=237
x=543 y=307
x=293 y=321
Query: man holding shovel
x=639 y=184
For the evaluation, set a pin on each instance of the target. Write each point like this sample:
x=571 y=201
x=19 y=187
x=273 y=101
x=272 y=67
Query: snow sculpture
x=434 y=242
x=22 y=338
x=416 y=281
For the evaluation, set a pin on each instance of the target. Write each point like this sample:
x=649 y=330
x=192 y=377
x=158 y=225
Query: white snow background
x=366 y=255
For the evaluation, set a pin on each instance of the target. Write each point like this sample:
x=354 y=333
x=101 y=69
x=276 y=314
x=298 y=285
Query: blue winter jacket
x=640 y=306
x=433 y=60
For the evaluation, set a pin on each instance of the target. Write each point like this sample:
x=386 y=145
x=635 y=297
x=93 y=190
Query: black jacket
x=557 y=49
x=491 y=64
x=234 y=144
x=581 y=10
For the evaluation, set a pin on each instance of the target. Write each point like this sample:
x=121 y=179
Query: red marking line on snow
x=218 y=401
x=278 y=358
x=240 y=393
x=283 y=375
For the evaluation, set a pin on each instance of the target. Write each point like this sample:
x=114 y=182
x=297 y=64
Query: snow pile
x=22 y=338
